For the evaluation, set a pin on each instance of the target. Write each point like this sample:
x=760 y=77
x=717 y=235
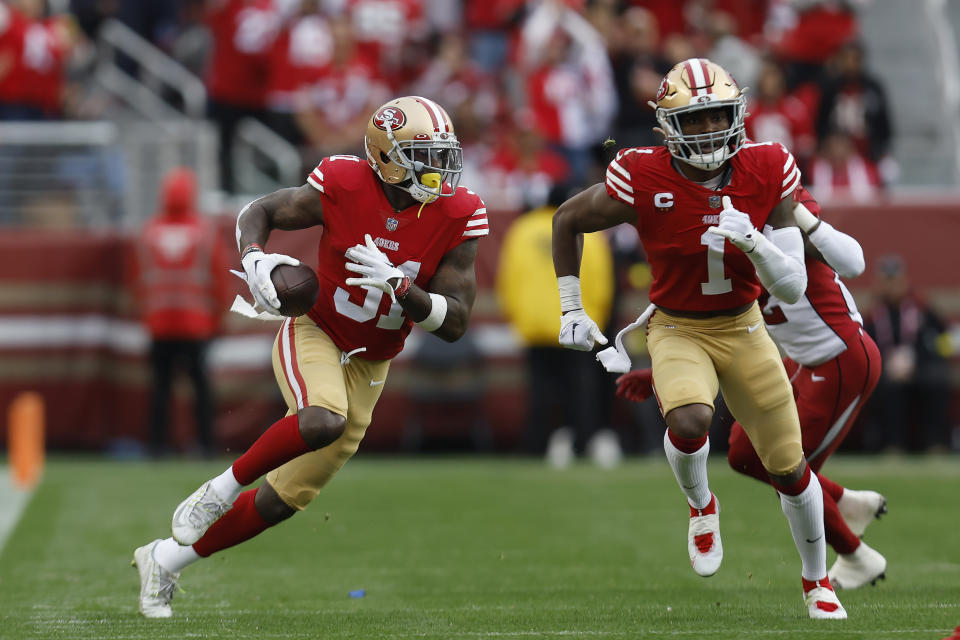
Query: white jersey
x=818 y=327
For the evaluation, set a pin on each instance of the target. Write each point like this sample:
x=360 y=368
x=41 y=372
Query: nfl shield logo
x=714 y=202
x=393 y=223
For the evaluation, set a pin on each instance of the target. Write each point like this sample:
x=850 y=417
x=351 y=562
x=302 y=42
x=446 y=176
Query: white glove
x=373 y=265
x=736 y=227
x=578 y=331
x=257 y=266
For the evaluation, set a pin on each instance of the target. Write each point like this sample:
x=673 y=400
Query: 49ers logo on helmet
x=662 y=91
x=389 y=115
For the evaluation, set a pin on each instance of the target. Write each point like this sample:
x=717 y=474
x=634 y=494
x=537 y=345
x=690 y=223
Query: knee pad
x=782 y=458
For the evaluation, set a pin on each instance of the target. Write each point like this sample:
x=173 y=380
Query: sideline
x=13 y=500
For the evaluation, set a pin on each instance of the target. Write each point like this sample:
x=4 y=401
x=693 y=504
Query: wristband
x=250 y=248
x=438 y=311
x=403 y=288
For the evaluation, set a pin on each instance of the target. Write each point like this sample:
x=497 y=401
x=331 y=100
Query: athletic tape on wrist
x=438 y=312
x=569 y=293
x=250 y=248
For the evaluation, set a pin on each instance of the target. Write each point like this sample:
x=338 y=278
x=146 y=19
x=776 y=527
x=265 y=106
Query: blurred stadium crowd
x=535 y=87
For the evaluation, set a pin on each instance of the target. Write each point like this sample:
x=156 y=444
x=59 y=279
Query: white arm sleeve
x=842 y=252
x=778 y=258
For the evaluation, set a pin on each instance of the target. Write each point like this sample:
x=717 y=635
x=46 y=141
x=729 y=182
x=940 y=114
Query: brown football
x=297 y=288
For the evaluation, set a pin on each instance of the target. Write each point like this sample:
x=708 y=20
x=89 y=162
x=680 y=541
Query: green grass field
x=475 y=548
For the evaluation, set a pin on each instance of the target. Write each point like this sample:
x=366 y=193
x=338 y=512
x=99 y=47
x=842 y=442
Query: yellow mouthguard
x=431 y=181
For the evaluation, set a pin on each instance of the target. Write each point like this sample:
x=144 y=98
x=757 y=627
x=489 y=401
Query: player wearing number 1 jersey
x=833 y=367
x=398 y=248
x=715 y=217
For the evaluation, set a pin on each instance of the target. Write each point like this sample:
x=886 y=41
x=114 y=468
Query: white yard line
x=13 y=500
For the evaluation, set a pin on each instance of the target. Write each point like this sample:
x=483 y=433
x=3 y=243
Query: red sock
x=280 y=443
x=686 y=445
x=810 y=584
x=829 y=486
x=837 y=532
x=710 y=509
x=242 y=522
x=796 y=488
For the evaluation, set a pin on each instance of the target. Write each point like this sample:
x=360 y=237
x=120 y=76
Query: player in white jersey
x=834 y=367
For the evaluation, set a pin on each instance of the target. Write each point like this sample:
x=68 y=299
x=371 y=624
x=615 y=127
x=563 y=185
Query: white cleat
x=860 y=508
x=195 y=514
x=703 y=539
x=823 y=604
x=853 y=570
x=157 y=585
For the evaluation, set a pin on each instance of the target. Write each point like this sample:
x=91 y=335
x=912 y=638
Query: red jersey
x=353 y=205
x=243 y=34
x=300 y=55
x=787 y=121
x=694 y=270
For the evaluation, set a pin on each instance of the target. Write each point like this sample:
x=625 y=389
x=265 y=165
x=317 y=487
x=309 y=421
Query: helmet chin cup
x=708 y=161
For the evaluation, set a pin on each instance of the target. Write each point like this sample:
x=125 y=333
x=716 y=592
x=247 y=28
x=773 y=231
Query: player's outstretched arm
x=445 y=307
x=842 y=252
x=588 y=211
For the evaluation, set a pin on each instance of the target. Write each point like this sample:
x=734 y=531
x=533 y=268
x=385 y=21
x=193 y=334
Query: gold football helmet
x=411 y=144
x=693 y=85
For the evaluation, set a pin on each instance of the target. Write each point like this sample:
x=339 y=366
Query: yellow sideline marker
x=25 y=438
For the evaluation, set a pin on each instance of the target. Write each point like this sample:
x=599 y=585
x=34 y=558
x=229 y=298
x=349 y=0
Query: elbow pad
x=778 y=258
x=842 y=252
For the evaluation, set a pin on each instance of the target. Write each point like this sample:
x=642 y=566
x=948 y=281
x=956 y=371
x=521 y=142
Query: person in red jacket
x=181 y=289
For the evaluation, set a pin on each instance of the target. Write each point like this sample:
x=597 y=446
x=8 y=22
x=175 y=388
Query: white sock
x=226 y=485
x=805 y=514
x=172 y=556
x=690 y=470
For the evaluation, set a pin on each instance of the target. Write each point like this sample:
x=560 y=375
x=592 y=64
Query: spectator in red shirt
x=523 y=169
x=301 y=55
x=773 y=115
x=806 y=34
x=182 y=290
x=243 y=32
x=33 y=55
x=333 y=111
x=569 y=83
x=840 y=172
x=386 y=33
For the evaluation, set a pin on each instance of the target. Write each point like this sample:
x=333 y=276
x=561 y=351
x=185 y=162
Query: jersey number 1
x=371 y=302
x=716 y=283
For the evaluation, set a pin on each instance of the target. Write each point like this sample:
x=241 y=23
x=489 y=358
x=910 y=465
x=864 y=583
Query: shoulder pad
x=342 y=172
x=462 y=204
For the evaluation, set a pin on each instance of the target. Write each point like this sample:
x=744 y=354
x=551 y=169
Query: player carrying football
x=398 y=248
x=833 y=367
x=699 y=203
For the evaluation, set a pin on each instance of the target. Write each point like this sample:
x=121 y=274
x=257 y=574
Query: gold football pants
x=307 y=366
x=693 y=359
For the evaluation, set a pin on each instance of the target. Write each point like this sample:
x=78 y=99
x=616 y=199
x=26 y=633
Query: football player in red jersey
x=834 y=367
x=699 y=204
x=398 y=248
